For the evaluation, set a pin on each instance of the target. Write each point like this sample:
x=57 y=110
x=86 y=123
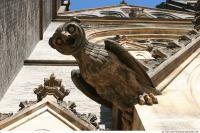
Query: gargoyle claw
x=154 y=99
x=148 y=99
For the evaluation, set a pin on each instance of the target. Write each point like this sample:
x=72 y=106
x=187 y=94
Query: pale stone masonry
x=21 y=24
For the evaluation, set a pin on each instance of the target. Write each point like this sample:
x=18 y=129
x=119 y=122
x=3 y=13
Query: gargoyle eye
x=71 y=28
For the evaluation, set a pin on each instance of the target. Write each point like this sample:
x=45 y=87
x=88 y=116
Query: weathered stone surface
x=47 y=13
x=19 y=32
x=31 y=76
x=123 y=11
x=178 y=107
x=54 y=90
x=104 y=70
x=43 y=51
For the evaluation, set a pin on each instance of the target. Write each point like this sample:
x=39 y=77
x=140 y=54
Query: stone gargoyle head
x=68 y=39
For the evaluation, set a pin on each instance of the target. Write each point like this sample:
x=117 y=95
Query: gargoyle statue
x=108 y=73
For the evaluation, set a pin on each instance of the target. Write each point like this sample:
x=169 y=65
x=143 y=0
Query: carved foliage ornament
x=53 y=86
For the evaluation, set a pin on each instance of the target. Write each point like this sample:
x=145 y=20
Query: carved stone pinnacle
x=52 y=86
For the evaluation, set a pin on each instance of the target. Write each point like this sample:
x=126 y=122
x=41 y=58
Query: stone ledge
x=178 y=109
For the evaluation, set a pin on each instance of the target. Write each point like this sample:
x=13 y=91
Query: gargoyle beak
x=56 y=39
x=60 y=39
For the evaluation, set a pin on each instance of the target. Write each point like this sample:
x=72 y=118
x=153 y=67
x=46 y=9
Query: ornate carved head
x=68 y=38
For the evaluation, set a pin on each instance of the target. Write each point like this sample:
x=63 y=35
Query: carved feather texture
x=97 y=53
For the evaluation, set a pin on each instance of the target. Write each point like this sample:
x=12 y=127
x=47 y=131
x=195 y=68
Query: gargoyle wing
x=132 y=63
x=87 y=89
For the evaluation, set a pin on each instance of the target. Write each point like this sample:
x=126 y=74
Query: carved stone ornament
x=5 y=115
x=52 y=86
x=26 y=104
x=108 y=73
x=123 y=2
x=184 y=40
x=89 y=118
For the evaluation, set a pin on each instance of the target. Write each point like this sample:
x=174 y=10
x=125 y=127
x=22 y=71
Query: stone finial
x=75 y=19
x=52 y=81
x=123 y=2
x=52 y=86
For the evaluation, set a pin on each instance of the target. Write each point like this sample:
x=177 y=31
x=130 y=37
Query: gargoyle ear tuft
x=75 y=19
x=59 y=29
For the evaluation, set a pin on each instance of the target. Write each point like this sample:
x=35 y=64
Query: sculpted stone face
x=67 y=39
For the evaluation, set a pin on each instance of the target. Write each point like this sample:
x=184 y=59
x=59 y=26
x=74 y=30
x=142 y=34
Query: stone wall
x=19 y=32
x=47 y=13
x=55 y=8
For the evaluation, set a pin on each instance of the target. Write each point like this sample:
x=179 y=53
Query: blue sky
x=82 y=4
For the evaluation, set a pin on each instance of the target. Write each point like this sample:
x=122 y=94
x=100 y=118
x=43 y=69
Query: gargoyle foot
x=148 y=99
